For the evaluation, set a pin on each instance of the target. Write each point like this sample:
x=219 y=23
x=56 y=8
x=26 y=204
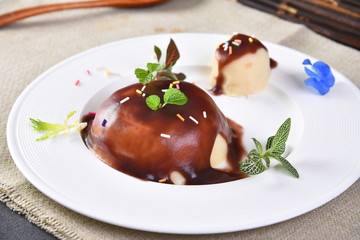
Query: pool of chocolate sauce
x=224 y=58
x=130 y=140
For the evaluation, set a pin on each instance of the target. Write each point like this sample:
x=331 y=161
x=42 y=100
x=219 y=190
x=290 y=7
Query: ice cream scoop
x=241 y=66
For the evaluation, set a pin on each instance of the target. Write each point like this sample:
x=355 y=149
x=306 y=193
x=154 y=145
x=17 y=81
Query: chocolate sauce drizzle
x=237 y=46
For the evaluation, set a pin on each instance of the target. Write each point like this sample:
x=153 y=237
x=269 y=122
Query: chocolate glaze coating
x=130 y=141
x=224 y=56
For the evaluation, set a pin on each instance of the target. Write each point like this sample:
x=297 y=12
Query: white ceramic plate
x=323 y=144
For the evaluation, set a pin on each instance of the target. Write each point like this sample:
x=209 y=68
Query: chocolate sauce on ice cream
x=239 y=46
x=157 y=144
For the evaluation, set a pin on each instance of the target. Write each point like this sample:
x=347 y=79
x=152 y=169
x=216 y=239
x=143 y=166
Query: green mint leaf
x=153 y=101
x=275 y=146
x=267 y=160
x=142 y=75
x=153 y=67
x=279 y=142
x=269 y=142
x=258 y=146
x=287 y=165
x=157 y=52
x=172 y=54
x=254 y=155
x=253 y=164
x=171 y=96
x=146 y=76
x=175 y=96
x=53 y=129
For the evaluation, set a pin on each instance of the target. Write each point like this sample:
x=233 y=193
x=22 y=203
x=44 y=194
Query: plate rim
x=15 y=155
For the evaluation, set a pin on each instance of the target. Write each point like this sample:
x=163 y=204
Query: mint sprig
x=161 y=70
x=275 y=147
x=54 y=129
x=171 y=96
x=153 y=102
x=146 y=76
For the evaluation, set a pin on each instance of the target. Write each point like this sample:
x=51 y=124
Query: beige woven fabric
x=29 y=47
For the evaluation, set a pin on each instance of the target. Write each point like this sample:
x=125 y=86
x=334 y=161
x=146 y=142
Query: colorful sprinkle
x=178 y=86
x=204 y=114
x=103 y=123
x=143 y=88
x=107 y=72
x=180 y=117
x=124 y=100
x=164 y=135
x=176 y=82
x=163 y=90
x=171 y=85
x=226 y=46
x=143 y=95
x=91 y=113
x=230 y=50
x=236 y=43
x=162 y=180
x=250 y=39
x=77 y=83
x=194 y=120
x=88 y=72
x=138 y=91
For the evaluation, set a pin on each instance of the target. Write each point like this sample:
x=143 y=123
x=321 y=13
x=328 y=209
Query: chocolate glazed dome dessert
x=188 y=144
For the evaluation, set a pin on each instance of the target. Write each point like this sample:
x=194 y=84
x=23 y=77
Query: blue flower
x=320 y=76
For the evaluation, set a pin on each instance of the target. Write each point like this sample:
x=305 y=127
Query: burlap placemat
x=32 y=46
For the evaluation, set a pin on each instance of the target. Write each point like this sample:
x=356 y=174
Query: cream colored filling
x=247 y=75
x=218 y=160
x=218 y=157
x=177 y=178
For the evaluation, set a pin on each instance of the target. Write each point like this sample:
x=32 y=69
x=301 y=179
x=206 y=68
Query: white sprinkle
x=194 y=120
x=143 y=94
x=204 y=114
x=143 y=88
x=164 y=135
x=163 y=90
x=124 y=100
